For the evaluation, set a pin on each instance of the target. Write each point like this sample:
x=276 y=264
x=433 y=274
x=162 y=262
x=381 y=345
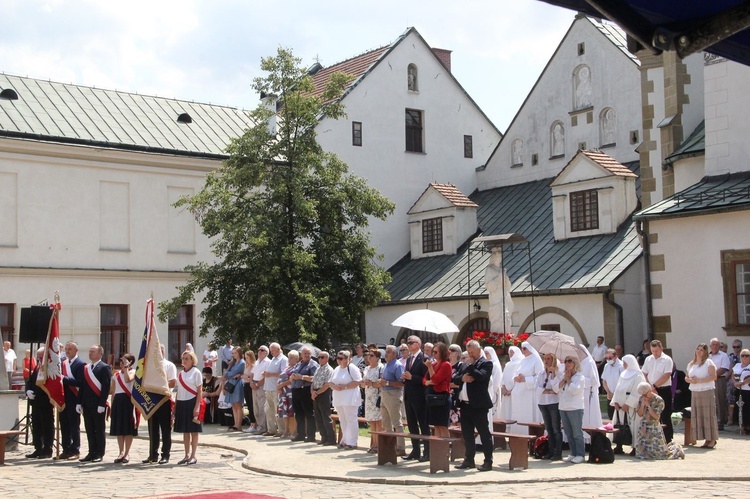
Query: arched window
x=412 y=78
x=581 y=87
x=516 y=153
x=607 y=127
x=557 y=140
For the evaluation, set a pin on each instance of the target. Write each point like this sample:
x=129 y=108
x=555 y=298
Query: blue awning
x=686 y=26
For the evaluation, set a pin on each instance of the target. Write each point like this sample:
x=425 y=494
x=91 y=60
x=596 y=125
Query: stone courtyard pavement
x=264 y=465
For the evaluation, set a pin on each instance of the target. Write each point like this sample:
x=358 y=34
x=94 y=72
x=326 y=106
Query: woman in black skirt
x=125 y=417
x=187 y=408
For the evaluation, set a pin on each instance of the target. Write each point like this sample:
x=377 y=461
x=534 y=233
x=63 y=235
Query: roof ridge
x=174 y=99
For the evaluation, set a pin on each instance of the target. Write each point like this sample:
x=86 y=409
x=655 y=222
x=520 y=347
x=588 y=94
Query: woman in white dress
x=592 y=412
x=345 y=382
x=626 y=397
x=525 y=408
x=495 y=383
x=507 y=382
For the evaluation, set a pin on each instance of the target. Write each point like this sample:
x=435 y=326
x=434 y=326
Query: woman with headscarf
x=523 y=396
x=507 y=383
x=625 y=399
x=496 y=383
x=592 y=412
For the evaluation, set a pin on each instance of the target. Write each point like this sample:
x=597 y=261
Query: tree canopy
x=288 y=223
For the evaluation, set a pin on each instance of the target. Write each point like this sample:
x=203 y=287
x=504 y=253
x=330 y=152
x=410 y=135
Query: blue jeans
x=572 y=422
x=551 y=417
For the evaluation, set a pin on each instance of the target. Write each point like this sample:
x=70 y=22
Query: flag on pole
x=50 y=370
x=150 y=386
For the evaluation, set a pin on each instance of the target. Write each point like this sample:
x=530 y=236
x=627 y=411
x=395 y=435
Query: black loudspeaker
x=34 y=324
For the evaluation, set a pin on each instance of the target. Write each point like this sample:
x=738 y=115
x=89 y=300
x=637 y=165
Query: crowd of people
x=432 y=387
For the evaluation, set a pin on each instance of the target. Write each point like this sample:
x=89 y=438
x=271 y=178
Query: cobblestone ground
x=222 y=469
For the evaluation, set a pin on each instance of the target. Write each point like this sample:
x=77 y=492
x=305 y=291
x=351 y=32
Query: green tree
x=288 y=225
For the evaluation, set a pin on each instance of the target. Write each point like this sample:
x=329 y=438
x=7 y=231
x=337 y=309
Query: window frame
x=184 y=331
x=414 y=133
x=8 y=331
x=580 y=220
x=357 y=133
x=468 y=146
x=730 y=259
x=432 y=235
x=111 y=335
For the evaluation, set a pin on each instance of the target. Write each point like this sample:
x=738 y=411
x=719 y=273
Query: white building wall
x=615 y=82
x=691 y=282
x=688 y=172
x=630 y=294
x=727 y=109
x=379 y=102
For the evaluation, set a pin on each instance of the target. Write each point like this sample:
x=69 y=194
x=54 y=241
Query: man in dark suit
x=70 y=420
x=42 y=419
x=414 y=397
x=475 y=403
x=92 y=402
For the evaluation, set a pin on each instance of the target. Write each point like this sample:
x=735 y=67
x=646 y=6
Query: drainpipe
x=620 y=333
x=643 y=232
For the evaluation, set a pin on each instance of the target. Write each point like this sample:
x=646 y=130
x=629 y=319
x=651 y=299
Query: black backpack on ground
x=601 y=450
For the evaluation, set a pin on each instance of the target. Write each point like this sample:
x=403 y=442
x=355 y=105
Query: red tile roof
x=609 y=163
x=356 y=67
x=452 y=194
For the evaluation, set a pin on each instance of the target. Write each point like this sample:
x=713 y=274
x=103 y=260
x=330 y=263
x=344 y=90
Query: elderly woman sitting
x=651 y=443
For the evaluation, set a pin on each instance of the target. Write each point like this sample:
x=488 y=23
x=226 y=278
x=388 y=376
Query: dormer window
x=432 y=235
x=584 y=210
x=412 y=78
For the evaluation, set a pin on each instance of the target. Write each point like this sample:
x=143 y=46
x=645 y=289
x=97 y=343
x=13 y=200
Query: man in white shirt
x=259 y=393
x=721 y=360
x=11 y=361
x=210 y=356
x=610 y=376
x=271 y=380
x=160 y=423
x=225 y=355
x=658 y=371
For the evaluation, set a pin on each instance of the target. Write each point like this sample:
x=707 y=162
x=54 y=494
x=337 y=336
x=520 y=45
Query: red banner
x=50 y=371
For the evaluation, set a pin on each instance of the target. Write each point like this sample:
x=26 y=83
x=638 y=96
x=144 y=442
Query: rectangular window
x=6 y=322
x=534 y=159
x=432 y=235
x=551 y=327
x=742 y=292
x=114 y=332
x=357 y=133
x=414 y=130
x=735 y=275
x=180 y=333
x=581 y=48
x=584 y=210
x=468 y=146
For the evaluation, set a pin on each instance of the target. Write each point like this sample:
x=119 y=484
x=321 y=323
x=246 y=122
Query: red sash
x=93 y=383
x=190 y=390
x=136 y=413
x=202 y=410
x=68 y=374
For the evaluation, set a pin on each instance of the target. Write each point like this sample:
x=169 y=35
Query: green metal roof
x=729 y=192
x=585 y=264
x=66 y=113
x=695 y=145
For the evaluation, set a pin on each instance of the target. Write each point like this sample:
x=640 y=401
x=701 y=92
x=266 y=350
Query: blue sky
x=209 y=51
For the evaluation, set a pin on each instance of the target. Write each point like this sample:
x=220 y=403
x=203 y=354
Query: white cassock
x=507 y=381
x=592 y=412
x=524 y=407
x=495 y=383
x=626 y=394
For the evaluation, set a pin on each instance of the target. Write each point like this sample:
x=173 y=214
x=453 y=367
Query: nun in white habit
x=524 y=407
x=592 y=412
x=507 y=382
x=495 y=383
x=625 y=399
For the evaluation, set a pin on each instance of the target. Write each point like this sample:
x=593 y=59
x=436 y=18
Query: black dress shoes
x=298 y=439
x=411 y=457
x=97 y=459
x=465 y=465
x=149 y=461
x=164 y=460
x=485 y=466
x=424 y=458
x=33 y=455
x=87 y=458
x=44 y=455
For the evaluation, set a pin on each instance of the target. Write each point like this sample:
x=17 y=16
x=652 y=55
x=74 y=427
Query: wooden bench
x=501 y=426
x=439 y=449
x=5 y=435
x=337 y=426
x=688 y=420
x=535 y=430
x=519 y=444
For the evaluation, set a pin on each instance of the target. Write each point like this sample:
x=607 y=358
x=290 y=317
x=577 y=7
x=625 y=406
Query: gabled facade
x=587 y=97
x=584 y=284
x=409 y=123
